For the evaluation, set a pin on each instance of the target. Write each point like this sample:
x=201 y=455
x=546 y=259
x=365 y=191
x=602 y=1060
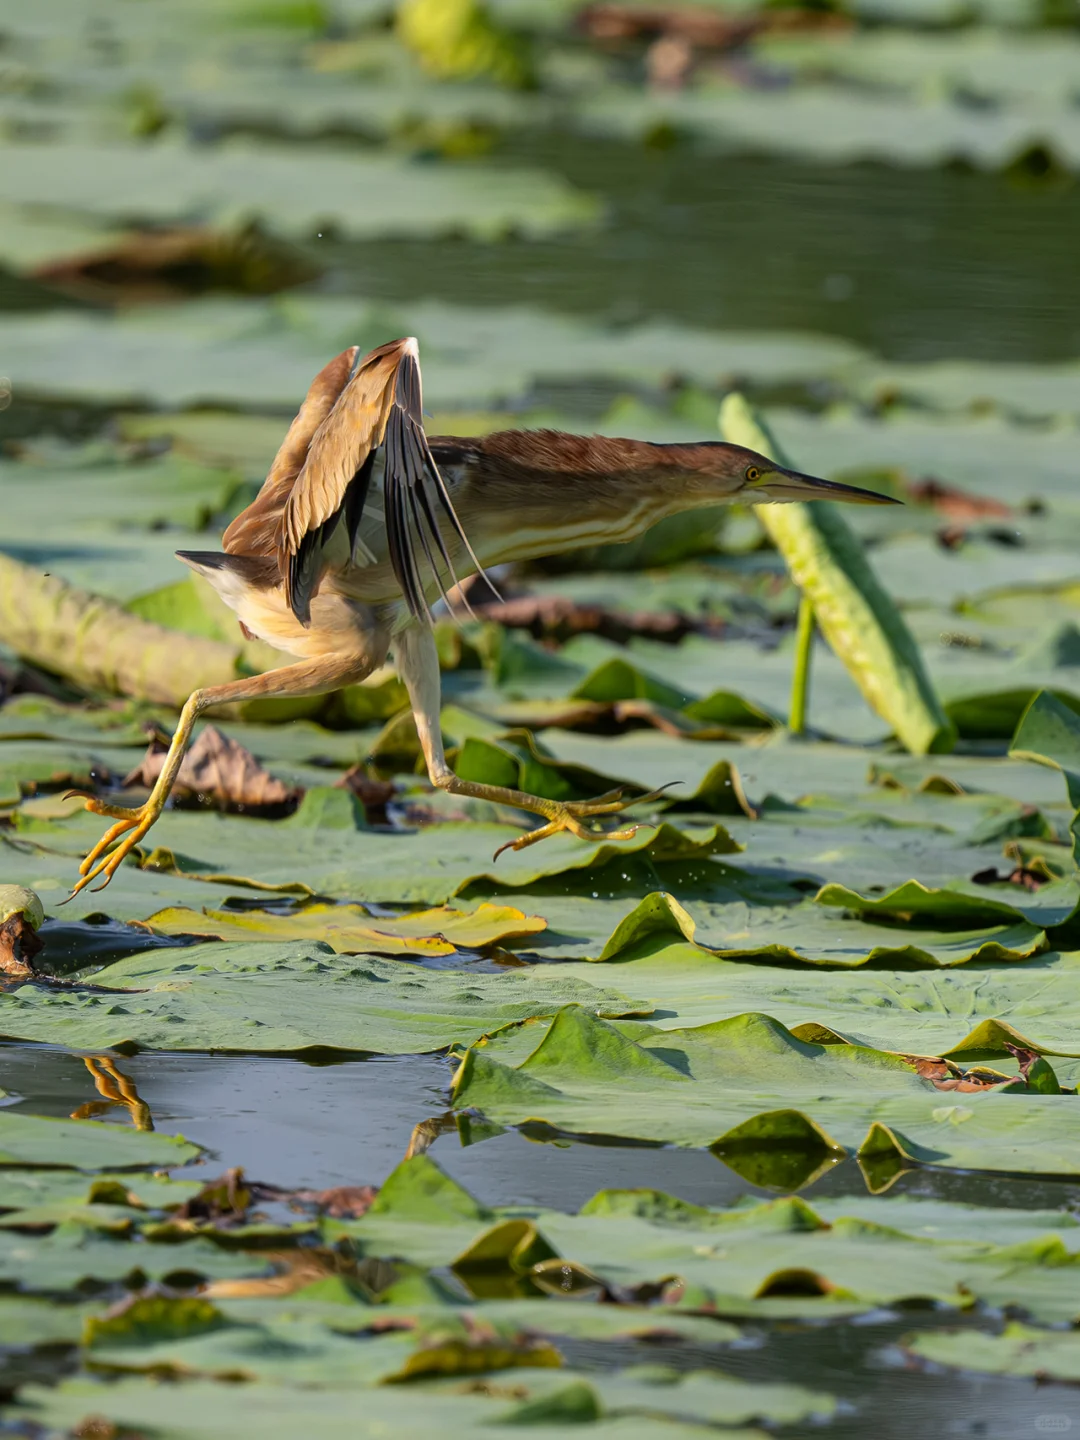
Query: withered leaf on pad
x=217 y=768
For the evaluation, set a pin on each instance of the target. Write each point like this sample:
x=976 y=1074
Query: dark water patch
x=915 y=264
x=71 y=945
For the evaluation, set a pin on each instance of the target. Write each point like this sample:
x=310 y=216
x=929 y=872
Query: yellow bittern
x=363 y=522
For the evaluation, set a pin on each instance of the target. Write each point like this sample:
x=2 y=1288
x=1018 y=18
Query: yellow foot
x=132 y=824
x=568 y=815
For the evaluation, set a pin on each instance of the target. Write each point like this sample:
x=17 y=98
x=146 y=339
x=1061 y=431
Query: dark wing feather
x=380 y=404
x=355 y=500
x=415 y=492
x=305 y=565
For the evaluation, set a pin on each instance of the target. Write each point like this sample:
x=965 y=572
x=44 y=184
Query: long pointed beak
x=790 y=485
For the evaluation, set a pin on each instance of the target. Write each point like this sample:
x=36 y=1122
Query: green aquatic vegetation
x=1018 y=1350
x=333 y=852
x=856 y=615
x=460 y=40
x=286 y=998
x=30 y=1140
x=169 y=183
x=723 y=1261
x=966 y=1012
x=749 y=1079
x=442 y=931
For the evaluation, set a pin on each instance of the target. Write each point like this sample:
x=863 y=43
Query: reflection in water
x=116 y=1089
x=784 y=1166
x=426 y=1132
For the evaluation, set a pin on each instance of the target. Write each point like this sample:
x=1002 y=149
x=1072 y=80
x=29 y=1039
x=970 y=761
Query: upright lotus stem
x=851 y=607
x=800 y=680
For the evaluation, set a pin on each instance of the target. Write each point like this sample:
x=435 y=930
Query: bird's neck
x=554 y=500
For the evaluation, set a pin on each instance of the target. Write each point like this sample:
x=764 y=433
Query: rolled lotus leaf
x=853 y=610
x=97 y=644
x=18 y=900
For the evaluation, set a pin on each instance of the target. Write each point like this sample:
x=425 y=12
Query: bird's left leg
x=417 y=662
x=310 y=677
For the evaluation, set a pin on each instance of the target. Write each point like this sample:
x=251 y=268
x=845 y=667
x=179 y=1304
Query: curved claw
x=98 y=863
x=531 y=838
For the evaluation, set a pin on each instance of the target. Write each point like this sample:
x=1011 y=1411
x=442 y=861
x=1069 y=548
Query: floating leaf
x=261 y=997
x=350 y=929
x=1018 y=1350
x=85 y=1145
x=704 y=1086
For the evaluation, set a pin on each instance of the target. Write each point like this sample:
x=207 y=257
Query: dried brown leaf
x=704 y=29
x=555 y=617
x=944 y=1075
x=150 y=265
x=958 y=505
x=1028 y=877
x=220 y=769
x=341 y=1202
x=1024 y=1057
x=222 y=1201
x=19 y=943
x=373 y=794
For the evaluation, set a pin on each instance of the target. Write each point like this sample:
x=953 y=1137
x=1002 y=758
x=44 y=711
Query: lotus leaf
x=706 y=1086
x=262 y=997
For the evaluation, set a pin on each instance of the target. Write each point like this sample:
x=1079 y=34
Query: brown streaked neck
x=522 y=494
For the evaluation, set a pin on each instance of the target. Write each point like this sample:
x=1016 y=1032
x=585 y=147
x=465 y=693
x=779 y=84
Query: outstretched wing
x=255 y=530
x=381 y=404
x=415 y=493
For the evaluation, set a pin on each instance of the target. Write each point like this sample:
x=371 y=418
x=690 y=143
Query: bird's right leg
x=310 y=677
x=417 y=662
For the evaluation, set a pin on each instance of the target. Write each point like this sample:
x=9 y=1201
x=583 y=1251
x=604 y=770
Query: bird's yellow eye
x=752 y=474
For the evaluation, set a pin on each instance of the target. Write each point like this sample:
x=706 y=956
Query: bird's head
x=723 y=472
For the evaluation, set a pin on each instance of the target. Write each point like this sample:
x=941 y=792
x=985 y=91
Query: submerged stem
x=800 y=680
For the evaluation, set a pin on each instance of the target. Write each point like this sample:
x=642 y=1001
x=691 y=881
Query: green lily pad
x=24 y=1189
x=951 y=905
x=72 y=1256
x=1018 y=1350
x=325 y=849
x=93 y=491
x=133 y=894
x=285 y=998
x=1049 y=732
x=297 y=195
x=708 y=1086
x=259 y=353
x=348 y=928
x=963 y=1013
x=295 y=1352
x=796 y=933
x=31 y=1140
x=26 y=1323
x=777 y=1257
x=283 y=1412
